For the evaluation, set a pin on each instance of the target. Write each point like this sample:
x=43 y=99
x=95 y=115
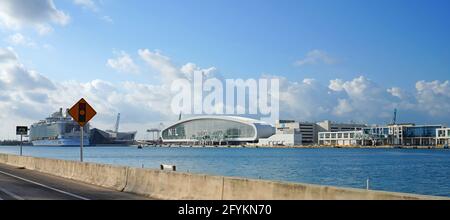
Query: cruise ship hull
x=60 y=142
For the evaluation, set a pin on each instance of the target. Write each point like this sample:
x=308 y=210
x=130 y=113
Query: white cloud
x=88 y=4
x=433 y=97
x=309 y=81
x=93 y=6
x=13 y=75
x=7 y=56
x=190 y=68
x=30 y=96
x=27 y=96
x=123 y=63
x=44 y=29
x=396 y=92
x=107 y=19
x=168 y=70
x=16 y=14
x=162 y=64
x=343 y=107
x=19 y=40
x=357 y=88
x=305 y=101
x=361 y=99
x=336 y=85
x=316 y=57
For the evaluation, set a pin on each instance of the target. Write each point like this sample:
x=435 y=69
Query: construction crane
x=394 y=120
x=116 y=129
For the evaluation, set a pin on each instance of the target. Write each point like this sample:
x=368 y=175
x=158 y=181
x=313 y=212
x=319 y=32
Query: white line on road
x=45 y=186
x=10 y=194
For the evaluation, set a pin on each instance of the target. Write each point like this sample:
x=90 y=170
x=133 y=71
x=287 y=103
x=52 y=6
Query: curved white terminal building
x=217 y=130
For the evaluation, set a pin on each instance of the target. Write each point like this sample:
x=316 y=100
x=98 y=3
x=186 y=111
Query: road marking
x=10 y=194
x=45 y=186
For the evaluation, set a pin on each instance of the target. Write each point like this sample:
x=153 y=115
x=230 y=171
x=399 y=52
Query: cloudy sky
x=340 y=60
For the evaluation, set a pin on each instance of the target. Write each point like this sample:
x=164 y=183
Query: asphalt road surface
x=22 y=184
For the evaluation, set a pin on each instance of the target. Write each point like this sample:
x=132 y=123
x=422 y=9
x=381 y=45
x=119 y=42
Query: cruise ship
x=58 y=130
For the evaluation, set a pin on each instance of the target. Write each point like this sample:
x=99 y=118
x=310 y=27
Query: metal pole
x=81 y=144
x=367 y=184
x=21 y=145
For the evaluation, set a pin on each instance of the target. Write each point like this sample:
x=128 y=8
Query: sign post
x=21 y=130
x=82 y=113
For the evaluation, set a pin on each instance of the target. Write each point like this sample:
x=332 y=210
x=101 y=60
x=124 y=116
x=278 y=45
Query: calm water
x=400 y=170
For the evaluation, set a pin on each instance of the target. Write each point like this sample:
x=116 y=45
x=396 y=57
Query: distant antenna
x=117 y=123
x=179 y=117
x=394 y=120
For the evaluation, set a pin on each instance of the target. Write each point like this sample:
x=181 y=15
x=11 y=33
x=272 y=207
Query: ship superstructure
x=58 y=130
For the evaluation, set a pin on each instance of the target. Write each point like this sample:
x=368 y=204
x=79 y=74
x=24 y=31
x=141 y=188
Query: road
x=22 y=184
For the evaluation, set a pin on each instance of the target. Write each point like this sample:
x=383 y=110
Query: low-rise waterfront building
x=216 y=130
x=329 y=126
x=399 y=134
x=340 y=138
x=306 y=129
x=284 y=136
x=421 y=135
x=443 y=136
x=310 y=131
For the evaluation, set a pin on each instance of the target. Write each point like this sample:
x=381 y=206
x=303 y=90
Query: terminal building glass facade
x=401 y=134
x=420 y=135
x=209 y=128
x=216 y=130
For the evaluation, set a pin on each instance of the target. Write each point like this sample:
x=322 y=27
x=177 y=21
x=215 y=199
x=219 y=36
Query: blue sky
x=394 y=42
x=391 y=44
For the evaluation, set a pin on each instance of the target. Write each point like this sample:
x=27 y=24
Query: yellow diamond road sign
x=82 y=112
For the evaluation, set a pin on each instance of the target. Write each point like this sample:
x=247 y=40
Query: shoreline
x=293 y=147
x=247 y=146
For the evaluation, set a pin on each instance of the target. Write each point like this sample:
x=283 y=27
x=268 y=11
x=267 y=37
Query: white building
x=306 y=129
x=217 y=130
x=443 y=136
x=310 y=130
x=341 y=138
x=329 y=126
x=283 y=138
x=399 y=134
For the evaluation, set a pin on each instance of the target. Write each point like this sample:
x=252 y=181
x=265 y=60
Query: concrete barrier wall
x=242 y=189
x=175 y=185
x=108 y=176
x=97 y=174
